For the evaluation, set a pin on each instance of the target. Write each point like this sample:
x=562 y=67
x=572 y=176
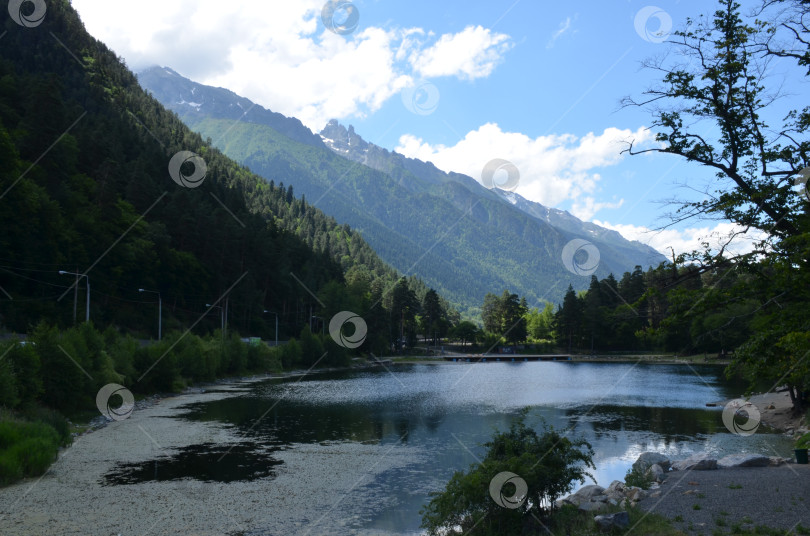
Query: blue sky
x=533 y=82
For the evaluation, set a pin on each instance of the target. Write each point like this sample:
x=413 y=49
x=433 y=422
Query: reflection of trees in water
x=295 y=421
x=670 y=423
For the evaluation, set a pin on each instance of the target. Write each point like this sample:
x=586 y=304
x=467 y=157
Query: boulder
x=607 y=522
x=656 y=472
x=616 y=490
x=636 y=494
x=743 y=460
x=592 y=506
x=586 y=493
x=648 y=459
x=696 y=462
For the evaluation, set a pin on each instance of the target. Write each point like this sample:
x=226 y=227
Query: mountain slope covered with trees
x=461 y=238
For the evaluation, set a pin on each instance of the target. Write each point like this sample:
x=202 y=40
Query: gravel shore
x=304 y=496
x=712 y=501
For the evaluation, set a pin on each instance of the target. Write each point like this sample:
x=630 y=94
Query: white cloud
x=553 y=169
x=689 y=239
x=280 y=55
x=563 y=28
x=472 y=53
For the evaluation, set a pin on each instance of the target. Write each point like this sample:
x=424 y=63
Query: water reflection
x=446 y=412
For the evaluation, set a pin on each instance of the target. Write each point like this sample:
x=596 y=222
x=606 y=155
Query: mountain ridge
x=461 y=238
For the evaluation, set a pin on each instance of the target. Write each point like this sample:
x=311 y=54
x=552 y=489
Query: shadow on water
x=242 y=462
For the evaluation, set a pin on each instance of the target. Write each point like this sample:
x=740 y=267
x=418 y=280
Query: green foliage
x=311 y=347
x=639 y=478
x=505 y=316
x=548 y=462
x=106 y=182
x=758 y=300
x=465 y=331
x=26 y=448
x=8 y=385
x=803 y=442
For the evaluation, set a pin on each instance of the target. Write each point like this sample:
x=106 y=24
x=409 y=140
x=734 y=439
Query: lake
x=440 y=414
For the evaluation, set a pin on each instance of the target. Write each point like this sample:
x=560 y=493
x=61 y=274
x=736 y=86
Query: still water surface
x=445 y=412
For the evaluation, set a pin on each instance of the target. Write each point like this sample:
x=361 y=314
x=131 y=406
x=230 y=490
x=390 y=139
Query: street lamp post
x=275 y=313
x=160 y=311
x=221 y=317
x=78 y=275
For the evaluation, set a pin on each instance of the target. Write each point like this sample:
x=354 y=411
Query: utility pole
x=275 y=313
x=78 y=275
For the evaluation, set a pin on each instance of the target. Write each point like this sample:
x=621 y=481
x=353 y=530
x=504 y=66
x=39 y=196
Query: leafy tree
x=465 y=331
x=756 y=167
x=491 y=313
x=513 y=320
x=548 y=462
x=539 y=324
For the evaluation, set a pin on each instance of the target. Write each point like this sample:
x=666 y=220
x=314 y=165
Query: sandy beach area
x=304 y=497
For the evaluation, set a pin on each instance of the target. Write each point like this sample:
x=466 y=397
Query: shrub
x=34 y=455
x=26 y=364
x=26 y=448
x=8 y=385
x=548 y=463
x=640 y=478
x=291 y=354
x=52 y=418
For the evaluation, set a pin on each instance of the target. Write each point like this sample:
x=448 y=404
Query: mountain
x=86 y=157
x=349 y=144
x=461 y=238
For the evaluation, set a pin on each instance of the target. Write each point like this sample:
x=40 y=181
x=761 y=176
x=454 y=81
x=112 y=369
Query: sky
x=458 y=83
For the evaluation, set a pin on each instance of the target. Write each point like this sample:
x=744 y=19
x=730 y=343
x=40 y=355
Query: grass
x=27 y=448
x=572 y=522
x=695 y=507
x=735 y=486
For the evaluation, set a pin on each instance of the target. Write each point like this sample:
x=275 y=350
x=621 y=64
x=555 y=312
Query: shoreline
x=72 y=498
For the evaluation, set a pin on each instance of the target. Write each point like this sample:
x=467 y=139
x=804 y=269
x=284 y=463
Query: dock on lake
x=495 y=358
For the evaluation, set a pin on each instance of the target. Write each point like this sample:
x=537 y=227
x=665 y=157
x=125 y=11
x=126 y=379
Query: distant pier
x=505 y=358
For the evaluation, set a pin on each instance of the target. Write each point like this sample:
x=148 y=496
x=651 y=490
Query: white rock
x=589 y=491
x=743 y=460
x=696 y=462
x=656 y=472
x=648 y=459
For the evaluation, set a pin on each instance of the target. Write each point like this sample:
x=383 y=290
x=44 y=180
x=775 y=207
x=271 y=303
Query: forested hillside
x=461 y=238
x=85 y=187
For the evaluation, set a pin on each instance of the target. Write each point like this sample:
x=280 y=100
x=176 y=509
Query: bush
x=803 y=442
x=638 y=478
x=52 y=418
x=26 y=364
x=291 y=354
x=548 y=463
x=26 y=448
x=8 y=385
